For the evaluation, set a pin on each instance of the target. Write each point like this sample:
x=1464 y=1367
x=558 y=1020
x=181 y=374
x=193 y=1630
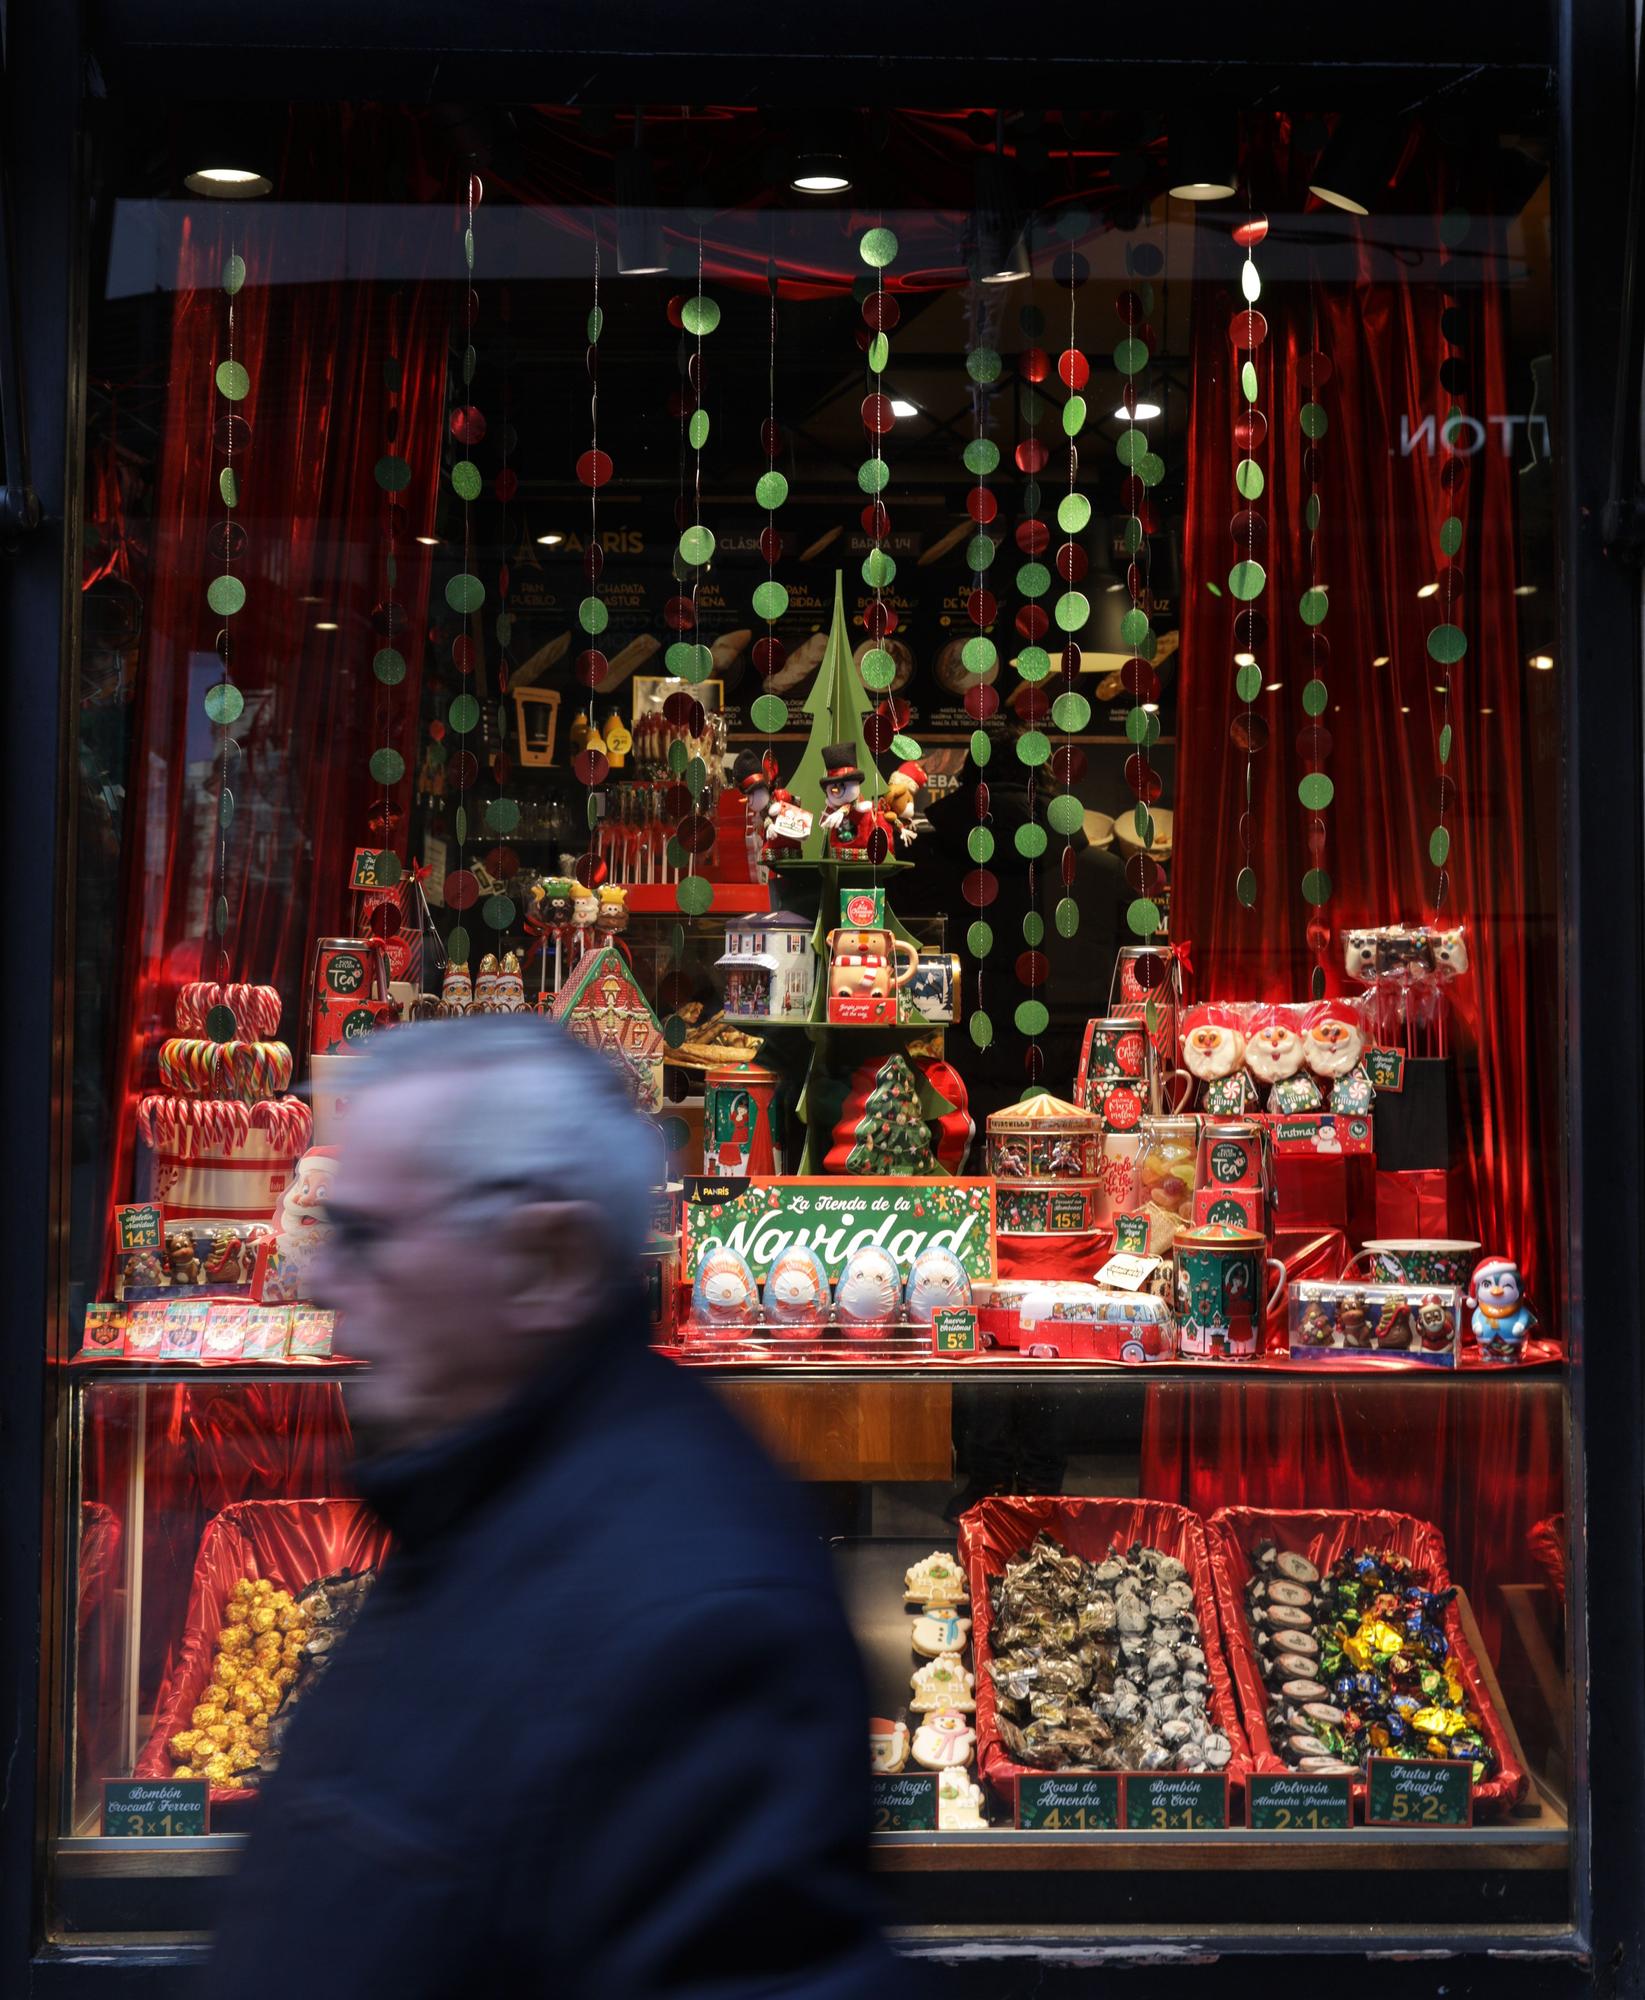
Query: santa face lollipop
x=1213 y=1044
x=1275 y=1048
x=1333 y=1038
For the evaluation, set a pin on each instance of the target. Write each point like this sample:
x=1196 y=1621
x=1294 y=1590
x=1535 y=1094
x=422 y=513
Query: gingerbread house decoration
x=770 y=968
x=603 y=1005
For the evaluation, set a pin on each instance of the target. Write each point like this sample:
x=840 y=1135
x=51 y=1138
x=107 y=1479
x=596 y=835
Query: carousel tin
x=1044 y=1139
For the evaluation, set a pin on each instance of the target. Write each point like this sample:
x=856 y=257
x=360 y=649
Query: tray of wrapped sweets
x=276 y=1583
x=1343 y=1637
x=1095 y=1641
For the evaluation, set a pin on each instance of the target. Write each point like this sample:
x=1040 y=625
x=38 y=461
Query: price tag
x=138 y=1225
x=155 y=1808
x=1300 y=1804
x=1069 y=1805
x=1162 y=1802
x=904 y=1801
x=1126 y=1273
x=954 y=1330
x=1402 y=1791
x=1131 y=1233
x=1386 y=1069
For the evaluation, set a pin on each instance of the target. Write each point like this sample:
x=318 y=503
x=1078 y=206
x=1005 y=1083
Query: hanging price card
x=155 y=1808
x=904 y=1801
x=1069 y=1805
x=1159 y=1802
x=1386 y=1069
x=1298 y=1804
x=1401 y=1791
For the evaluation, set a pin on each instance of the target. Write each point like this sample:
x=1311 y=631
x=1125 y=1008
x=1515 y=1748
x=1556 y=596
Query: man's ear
x=560 y=1268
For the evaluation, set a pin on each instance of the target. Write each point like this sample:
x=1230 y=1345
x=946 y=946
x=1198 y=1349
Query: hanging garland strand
x=979 y=654
x=502 y=813
x=465 y=594
x=769 y=712
x=1315 y=790
x=1248 y=577
x=1071 y=711
x=699 y=316
x=388 y=666
x=1144 y=469
x=226 y=596
x=1447 y=642
x=878 y=250
x=1033 y=622
x=589 y=764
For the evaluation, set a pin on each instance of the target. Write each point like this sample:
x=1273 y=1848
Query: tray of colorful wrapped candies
x=1342 y=1633
x=1095 y=1641
x=276 y=1584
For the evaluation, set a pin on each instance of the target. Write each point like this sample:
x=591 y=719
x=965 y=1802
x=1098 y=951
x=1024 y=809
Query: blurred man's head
x=490 y=1199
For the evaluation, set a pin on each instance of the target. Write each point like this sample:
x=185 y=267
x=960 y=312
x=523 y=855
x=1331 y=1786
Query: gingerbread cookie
x=943 y=1684
x=938 y=1580
x=959 y=1801
x=944 y=1738
x=939 y=1630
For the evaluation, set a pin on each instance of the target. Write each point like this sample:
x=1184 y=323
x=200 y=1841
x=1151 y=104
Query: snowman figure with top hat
x=849 y=815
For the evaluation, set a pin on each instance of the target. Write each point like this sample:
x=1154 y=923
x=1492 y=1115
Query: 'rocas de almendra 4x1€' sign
x=759 y=1219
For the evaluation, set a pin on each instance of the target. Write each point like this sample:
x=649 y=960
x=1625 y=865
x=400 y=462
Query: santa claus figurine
x=1213 y=1052
x=787 y=823
x=300 y=1226
x=1274 y=1055
x=1333 y=1038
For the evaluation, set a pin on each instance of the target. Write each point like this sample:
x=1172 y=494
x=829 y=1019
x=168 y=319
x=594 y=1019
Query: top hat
x=840 y=761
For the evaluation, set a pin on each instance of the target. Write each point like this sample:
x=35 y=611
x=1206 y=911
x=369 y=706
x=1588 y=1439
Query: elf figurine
x=849 y=816
x=1501 y=1318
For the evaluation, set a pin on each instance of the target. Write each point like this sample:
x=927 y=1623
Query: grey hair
x=539 y=1111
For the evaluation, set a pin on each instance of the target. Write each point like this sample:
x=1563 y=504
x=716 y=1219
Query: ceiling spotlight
x=1001 y=252
x=1150 y=708
x=429 y=541
x=550 y=541
x=819 y=172
x=1354 y=170
x=1428 y=590
x=1272 y=687
x=325 y=625
x=1203 y=154
x=1543 y=662
x=901 y=407
x=1142 y=414
x=1245 y=659
x=1525 y=590
x=1381 y=660
x=1403 y=709
x=228 y=183
x=639 y=227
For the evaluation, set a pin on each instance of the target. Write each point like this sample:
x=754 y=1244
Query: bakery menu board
x=834 y=1216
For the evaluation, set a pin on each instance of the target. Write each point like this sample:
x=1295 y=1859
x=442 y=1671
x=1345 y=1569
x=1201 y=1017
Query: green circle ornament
x=233 y=383
x=1315 y=423
x=1310 y=513
x=593 y=616
x=1033 y=580
x=770 y=600
x=1445 y=740
x=1141 y=727
x=979 y=939
x=1073 y=611
x=1248 y=387
x=1135 y=627
x=982 y=746
x=878 y=569
x=981 y=456
x=979 y=844
x=1150 y=468
x=1450 y=534
x=1245 y=887
x=1031 y=840
x=1447 y=644
x=1033 y=1017
x=465 y=594
x=1073 y=513
x=1247 y=580
x=1067 y=917
x=879 y=353
x=1439 y=846
x=1315 y=696
x=1248 y=479
x=466 y=482
x=982 y=1030
x=1071 y=712
x=980 y=551
x=1248 y=683
x=1074 y=413
x=878 y=248
x=388 y=767
x=224 y=703
x=392 y=473
x=1033 y=929
x=1130 y=447
x=700 y=315
x=1033 y=664
x=697 y=430
x=463 y=714
x=1131 y=355
x=1316 y=887
x=1316 y=791
x=983 y=364
x=905 y=747
x=234 y=274
x=502 y=816
x=878 y=669
x=771 y=490
x=1314 y=606
x=978 y=654
x=226 y=595
x=873 y=475
x=498 y=911
x=697 y=545
x=694 y=894
x=1033 y=748
x=769 y=713
x=1065 y=813
x=229 y=486
x=1143 y=916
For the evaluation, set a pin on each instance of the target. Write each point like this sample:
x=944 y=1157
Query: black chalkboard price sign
x=155 y=1808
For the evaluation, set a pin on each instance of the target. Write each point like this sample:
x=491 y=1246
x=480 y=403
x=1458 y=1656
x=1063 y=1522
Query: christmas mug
x=1220 y=1304
x=1395 y=1260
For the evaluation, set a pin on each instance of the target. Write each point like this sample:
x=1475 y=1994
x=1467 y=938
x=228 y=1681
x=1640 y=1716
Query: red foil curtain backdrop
x=312 y=512
x=1382 y=506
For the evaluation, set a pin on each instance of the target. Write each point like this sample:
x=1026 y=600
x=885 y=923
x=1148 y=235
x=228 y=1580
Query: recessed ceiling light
x=1245 y=659
x=1150 y=708
x=1522 y=590
x=1110 y=588
x=1272 y=687
x=1142 y=414
x=902 y=407
x=550 y=540
x=820 y=173
x=1404 y=710
x=229 y=183
x=325 y=625
x=429 y=541
x=1543 y=662
x=1428 y=590
x=1381 y=660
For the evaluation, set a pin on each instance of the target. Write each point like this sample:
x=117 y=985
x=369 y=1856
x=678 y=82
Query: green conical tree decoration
x=837 y=705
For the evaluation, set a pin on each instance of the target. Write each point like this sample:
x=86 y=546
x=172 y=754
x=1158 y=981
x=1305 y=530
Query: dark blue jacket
x=600 y=1728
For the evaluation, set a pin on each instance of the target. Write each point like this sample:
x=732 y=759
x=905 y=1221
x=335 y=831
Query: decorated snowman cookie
x=938 y=1630
x=942 y=1739
x=887 y=1744
x=935 y=1580
x=944 y=1683
x=959 y=1801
